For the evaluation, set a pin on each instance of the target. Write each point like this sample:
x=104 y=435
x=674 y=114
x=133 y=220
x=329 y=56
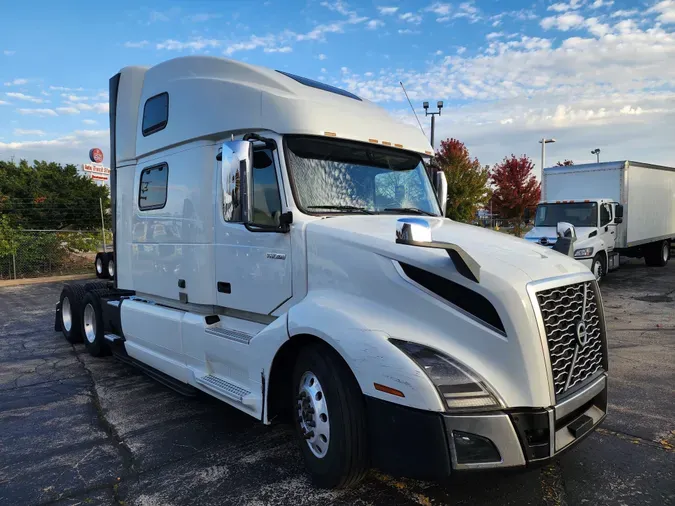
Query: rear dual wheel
x=91 y=321
x=104 y=265
x=658 y=254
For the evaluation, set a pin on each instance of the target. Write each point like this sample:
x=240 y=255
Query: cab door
x=253 y=265
x=607 y=226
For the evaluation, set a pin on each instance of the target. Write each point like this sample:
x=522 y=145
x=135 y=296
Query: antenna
x=413 y=109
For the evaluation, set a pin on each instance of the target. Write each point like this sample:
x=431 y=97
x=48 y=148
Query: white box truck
x=280 y=246
x=616 y=208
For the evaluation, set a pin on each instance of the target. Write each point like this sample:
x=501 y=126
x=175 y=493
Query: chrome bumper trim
x=497 y=428
x=580 y=398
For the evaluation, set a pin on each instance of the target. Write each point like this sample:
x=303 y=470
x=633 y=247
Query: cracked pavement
x=78 y=430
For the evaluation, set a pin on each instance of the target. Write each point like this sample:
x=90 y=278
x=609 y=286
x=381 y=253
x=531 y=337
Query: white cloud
x=63 y=149
x=461 y=50
x=139 y=44
x=21 y=131
x=89 y=121
x=16 y=82
x=253 y=43
x=494 y=35
x=564 y=7
x=8 y=52
x=282 y=49
x=322 y=56
x=387 y=11
x=596 y=28
x=408 y=31
x=37 y=112
x=601 y=3
x=442 y=19
x=563 y=22
x=442 y=9
x=506 y=121
x=469 y=11
x=68 y=110
x=621 y=13
x=411 y=18
x=27 y=98
x=374 y=24
x=665 y=10
x=3 y=102
x=195 y=45
x=63 y=88
x=74 y=98
x=438 y=52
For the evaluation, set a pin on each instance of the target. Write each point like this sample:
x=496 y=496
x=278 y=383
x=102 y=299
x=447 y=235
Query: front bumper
x=588 y=262
x=423 y=444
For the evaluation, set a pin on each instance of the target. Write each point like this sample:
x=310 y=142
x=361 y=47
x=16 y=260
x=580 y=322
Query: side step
x=226 y=389
x=178 y=386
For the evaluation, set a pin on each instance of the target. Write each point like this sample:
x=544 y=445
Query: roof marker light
x=330 y=134
x=398 y=145
x=374 y=141
x=386 y=143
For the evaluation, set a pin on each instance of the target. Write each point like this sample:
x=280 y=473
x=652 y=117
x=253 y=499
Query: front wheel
x=598 y=267
x=329 y=416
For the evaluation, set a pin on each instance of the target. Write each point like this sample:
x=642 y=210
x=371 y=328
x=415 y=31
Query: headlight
x=459 y=387
x=583 y=252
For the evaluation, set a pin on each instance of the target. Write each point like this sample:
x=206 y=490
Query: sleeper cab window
x=153 y=185
x=155 y=114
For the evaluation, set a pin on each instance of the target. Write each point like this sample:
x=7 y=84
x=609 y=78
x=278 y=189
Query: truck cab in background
x=595 y=230
x=622 y=208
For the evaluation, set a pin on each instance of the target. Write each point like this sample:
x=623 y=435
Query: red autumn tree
x=467 y=180
x=565 y=163
x=516 y=189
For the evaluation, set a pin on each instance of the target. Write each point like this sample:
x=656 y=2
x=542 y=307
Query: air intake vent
x=458 y=295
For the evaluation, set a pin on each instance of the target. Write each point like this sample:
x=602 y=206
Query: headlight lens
x=460 y=388
x=583 y=252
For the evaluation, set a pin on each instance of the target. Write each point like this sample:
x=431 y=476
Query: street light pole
x=543 y=142
x=439 y=104
x=596 y=152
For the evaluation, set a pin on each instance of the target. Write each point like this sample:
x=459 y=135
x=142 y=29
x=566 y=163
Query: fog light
x=474 y=449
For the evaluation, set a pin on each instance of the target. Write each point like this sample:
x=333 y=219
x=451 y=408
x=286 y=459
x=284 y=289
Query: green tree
x=47 y=195
x=468 y=188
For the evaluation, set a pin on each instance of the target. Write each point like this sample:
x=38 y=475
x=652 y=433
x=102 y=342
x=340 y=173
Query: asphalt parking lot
x=79 y=430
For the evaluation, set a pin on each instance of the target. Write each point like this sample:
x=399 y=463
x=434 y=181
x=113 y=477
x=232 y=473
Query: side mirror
x=441 y=184
x=618 y=212
x=565 y=229
x=237 y=180
x=618 y=220
x=527 y=215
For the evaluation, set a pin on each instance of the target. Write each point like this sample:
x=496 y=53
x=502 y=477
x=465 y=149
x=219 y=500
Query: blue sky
x=591 y=73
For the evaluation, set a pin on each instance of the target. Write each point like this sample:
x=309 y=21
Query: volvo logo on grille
x=581 y=335
x=543 y=241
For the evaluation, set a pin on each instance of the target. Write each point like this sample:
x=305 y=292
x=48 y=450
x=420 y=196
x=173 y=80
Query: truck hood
x=537 y=233
x=499 y=254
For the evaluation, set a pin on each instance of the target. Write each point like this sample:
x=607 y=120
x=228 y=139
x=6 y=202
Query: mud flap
x=57 y=318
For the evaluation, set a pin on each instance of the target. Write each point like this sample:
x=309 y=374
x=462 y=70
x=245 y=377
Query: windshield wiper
x=343 y=208
x=413 y=210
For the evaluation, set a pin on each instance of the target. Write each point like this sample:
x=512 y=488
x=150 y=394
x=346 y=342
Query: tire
x=324 y=383
x=70 y=303
x=101 y=265
x=658 y=254
x=111 y=266
x=91 y=322
x=599 y=267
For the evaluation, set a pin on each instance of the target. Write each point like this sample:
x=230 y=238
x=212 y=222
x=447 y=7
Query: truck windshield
x=581 y=214
x=336 y=176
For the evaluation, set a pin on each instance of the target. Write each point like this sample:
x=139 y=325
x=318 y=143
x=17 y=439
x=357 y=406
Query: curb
x=50 y=279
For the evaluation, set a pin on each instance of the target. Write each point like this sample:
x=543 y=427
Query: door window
x=266 y=199
x=605 y=215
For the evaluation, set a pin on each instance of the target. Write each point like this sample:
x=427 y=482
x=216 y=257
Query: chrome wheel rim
x=99 y=265
x=666 y=251
x=313 y=414
x=66 y=314
x=90 y=323
x=111 y=268
x=597 y=269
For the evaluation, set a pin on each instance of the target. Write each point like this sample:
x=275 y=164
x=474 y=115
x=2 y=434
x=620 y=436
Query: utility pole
x=596 y=152
x=439 y=104
x=100 y=202
x=543 y=143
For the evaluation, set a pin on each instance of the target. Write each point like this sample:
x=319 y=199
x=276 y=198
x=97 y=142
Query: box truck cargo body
x=617 y=208
x=280 y=246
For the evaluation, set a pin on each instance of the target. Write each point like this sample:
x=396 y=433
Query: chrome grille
x=573 y=358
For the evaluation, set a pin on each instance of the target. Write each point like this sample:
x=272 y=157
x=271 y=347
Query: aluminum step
x=112 y=337
x=233 y=335
x=226 y=389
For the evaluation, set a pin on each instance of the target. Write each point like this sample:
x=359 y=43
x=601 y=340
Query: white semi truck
x=280 y=246
x=615 y=208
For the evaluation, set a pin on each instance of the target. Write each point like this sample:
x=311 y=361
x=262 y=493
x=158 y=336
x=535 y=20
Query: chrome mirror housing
x=236 y=180
x=441 y=184
x=565 y=229
x=413 y=230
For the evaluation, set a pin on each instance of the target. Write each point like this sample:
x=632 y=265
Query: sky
x=589 y=73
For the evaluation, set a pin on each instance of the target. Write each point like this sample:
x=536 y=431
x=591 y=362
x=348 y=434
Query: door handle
x=224 y=287
x=606 y=228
